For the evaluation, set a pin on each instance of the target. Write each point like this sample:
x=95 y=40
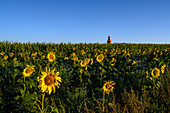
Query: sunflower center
x=51 y=57
x=49 y=80
x=28 y=70
x=108 y=86
x=77 y=62
x=100 y=57
x=83 y=63
x=155 y=72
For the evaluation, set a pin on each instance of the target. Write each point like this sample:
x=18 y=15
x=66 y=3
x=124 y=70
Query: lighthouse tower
x=109 y=40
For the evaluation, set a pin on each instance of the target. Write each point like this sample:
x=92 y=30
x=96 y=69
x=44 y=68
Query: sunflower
x=34 y=54
x=66 y=58
x=112 y=63
x=76 y=63
x=100 y=58
x=91 y=61
x=83 y=63
x=5 y=57
x=15 y=59
x=134 y=62
x=163 y=69
x=11 y=54
x=147 y=76
x=2 y=53
x=108 y=87
x=87 y=60
x=155 y=72
x=128 y=55
x=28 y=70
x=51 y=57
x=49 y=80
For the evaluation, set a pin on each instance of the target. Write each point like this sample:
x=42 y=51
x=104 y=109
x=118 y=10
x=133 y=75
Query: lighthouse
x=109 y=40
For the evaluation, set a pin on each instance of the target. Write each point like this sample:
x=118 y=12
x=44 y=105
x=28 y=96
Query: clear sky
x=80 y=21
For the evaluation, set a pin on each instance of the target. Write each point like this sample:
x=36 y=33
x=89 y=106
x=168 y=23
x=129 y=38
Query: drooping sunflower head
x=28 y=70
x=108 y=87
x=49 y=80
x=51 y=57
x=163 y=69
x=100 y=58
x=155 y=73
x=112 y=63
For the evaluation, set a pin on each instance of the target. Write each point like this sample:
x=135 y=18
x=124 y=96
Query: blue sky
x=80 y=21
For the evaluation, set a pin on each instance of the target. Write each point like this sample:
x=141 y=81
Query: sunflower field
x=84 y=78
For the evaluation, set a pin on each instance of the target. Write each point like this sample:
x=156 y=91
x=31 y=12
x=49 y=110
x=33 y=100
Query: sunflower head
x=155 y=73
x=83 y=63
x=163 y=69
x=28 y=71
x=5 y=57
x=112 y=63
x=108 y=87
x=76 y=63
x=51 y=57
x=49 y=80
x=100 y=58
x=11 y=54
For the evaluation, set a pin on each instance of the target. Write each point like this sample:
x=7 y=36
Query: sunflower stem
x=24 y=84
x=43 y=96
x=103 y=100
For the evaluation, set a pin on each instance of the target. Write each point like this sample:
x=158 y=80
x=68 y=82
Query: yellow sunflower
x=51 y=57
x=11 y=54
x=134 y=62
x=66 y=58
x=128 y=55
x=49 y=80
x=2 y=53
x=83 y=63
x=163 y=69
x=155 y=72
x=100 y=58
x=108 y=87
x=87 y=60
x=112 y=63
x=28 y=70
x=5 y=57
x=76 y=63
x=91 y=61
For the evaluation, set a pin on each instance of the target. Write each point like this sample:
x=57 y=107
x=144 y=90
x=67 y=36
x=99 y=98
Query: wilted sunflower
x=163 y=69
x=28 y=70
x=49 y=80
x=108 y=87
x=112 y=63
x=51 y=57
x=100 y=58
x=155 y=72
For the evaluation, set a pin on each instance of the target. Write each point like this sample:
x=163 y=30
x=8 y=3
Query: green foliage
x=81 y=87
